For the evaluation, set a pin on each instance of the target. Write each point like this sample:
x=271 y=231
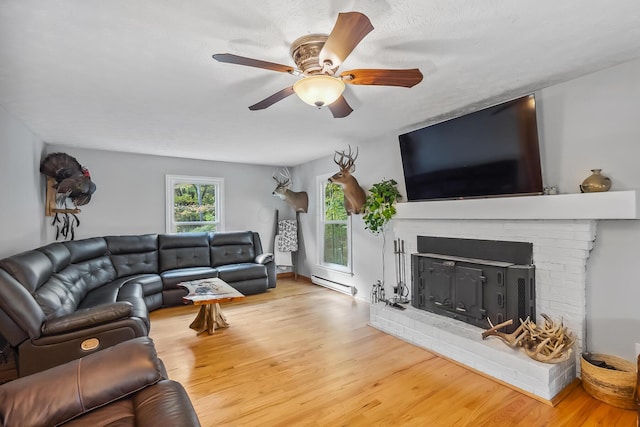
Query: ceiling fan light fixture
x=319 y=90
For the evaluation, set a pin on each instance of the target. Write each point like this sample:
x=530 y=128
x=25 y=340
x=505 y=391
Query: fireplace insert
x=474 y=289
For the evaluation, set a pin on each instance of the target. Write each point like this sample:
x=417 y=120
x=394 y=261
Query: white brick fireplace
x=562 y=229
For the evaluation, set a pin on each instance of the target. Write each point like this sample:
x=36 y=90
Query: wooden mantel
x=606 y=205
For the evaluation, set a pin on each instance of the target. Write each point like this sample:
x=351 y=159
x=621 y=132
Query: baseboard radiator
x=340 y=287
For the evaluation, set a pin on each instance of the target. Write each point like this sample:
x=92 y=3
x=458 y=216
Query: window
x=194 y=204
x=334 y=227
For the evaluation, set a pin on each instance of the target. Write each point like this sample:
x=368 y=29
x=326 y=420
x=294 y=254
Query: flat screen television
x=488 y=153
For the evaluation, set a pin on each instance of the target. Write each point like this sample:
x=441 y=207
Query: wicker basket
x=614 y=387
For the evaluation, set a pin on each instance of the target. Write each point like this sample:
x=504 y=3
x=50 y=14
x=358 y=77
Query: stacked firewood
x=549 y=342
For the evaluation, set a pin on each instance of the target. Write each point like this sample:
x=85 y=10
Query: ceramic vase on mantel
x=596 y=182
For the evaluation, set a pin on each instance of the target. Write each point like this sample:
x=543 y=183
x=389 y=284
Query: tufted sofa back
x=134 y=254
x=58 y=276
x=88 y=268
x=231 y=248
x=183 y=250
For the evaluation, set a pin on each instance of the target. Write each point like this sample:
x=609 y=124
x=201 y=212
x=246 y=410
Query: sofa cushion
x=105 y=293
x=87 y=249
x=112 y=292
x=132 y=243
x=58 y=254
x=56 y=299
x=172 y=277
x=232 y=247
x=89 y=274
x=151 y=283
x=134 y=254
x=237 y=272
x=31 y=268
x=151 y=288
x=251 y=286
x=65 y=290
x=183 y=250
x=130 y=264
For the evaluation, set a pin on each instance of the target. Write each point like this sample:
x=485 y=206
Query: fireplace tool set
x=401 y=290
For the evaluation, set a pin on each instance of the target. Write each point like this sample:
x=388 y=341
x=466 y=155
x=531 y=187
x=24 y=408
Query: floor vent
x=345 y=289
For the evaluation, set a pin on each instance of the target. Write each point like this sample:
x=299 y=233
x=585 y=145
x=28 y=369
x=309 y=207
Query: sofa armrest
x=165 y=403
x=64 y=392
x=268 y=261
x=264 y=258
x=52 y=350
x=87 y=317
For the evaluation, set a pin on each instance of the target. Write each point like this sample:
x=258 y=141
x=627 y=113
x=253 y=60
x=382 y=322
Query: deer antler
x=349 y=164
x=284 y=173
x=550 y=342
x=513 y=339
x=339 y=162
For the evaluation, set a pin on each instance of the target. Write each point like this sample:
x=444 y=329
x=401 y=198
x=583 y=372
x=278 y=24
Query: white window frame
x=321 y=182
x=172 y=180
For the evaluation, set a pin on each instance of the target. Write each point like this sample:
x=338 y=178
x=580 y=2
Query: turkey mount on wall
x=67 y=181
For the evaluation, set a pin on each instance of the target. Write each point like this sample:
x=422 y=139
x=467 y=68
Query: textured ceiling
x=137 y=76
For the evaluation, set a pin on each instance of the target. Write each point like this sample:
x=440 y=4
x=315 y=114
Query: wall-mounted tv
x=488 y=153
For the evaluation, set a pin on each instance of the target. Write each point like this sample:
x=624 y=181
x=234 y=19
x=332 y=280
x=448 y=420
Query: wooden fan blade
x=241 y=60
x=268 y=102
x=404 y=78
x=340 y=108
x=350 y=28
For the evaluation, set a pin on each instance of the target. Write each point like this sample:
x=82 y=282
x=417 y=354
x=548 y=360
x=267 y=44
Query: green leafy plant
x=380 y=205
x=379 y=208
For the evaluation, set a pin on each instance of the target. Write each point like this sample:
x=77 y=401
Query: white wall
x=22 y=187
x=590 y=122
x=376 y=160
x=130 y=195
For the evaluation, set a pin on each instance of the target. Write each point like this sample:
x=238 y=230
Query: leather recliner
x=124 y=385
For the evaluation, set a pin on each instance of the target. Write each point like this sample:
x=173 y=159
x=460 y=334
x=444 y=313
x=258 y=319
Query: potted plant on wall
x=379 y=208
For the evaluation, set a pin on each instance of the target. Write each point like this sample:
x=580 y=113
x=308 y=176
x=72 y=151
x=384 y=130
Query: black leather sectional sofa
x=66 y=300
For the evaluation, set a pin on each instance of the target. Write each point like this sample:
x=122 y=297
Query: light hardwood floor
x=302 y=355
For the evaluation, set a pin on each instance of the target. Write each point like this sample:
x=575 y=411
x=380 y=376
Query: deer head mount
x=299 y=201
x=354 y=196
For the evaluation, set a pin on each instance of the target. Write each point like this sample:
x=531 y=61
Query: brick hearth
x=461 y=342
x=561 y=249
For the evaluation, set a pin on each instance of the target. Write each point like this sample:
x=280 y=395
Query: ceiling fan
x=317 y=57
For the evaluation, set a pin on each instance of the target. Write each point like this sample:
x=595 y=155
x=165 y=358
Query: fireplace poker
x=402 y=291
x=396 y=255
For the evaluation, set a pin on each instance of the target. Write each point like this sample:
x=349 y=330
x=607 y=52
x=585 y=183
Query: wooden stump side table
x=208 y=294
